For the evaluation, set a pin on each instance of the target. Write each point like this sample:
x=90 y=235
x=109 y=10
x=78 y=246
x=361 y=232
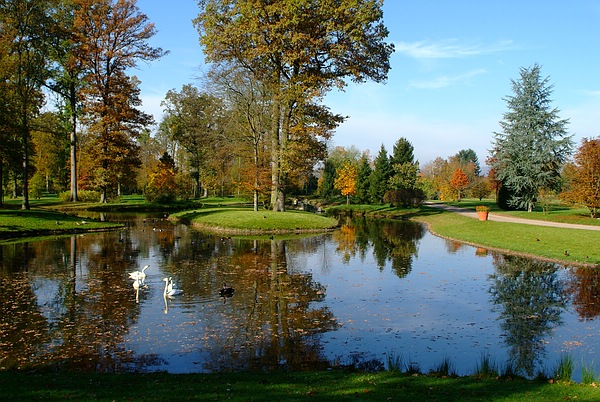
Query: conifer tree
x=380 y=176
x=533 y=145
x=363 y=183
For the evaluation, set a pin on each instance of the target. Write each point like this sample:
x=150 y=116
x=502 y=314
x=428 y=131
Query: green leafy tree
x=196 y=122
x=300 y=51
x=533 y=145
x=24 y=25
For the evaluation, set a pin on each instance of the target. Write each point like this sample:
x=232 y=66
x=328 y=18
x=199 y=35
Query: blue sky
x=451 y=70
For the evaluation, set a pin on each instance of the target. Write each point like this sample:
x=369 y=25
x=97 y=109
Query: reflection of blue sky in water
x=440 y=309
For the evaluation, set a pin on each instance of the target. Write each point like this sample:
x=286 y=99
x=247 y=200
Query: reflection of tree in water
x=530 y=298
x=392 y=241
x=584 y=287
x=273 y=319
x=76 y=322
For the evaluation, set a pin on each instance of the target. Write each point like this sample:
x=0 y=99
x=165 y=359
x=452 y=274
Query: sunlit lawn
x=555 y=213
x=243 y=219
x=548 y=242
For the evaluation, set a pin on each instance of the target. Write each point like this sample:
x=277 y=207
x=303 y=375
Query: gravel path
x=503 y=218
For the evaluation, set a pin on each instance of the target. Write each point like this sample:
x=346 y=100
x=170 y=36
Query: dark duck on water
x=226 y=290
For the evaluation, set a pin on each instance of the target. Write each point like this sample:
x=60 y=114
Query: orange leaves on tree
x=459 y=181
x=583 y=176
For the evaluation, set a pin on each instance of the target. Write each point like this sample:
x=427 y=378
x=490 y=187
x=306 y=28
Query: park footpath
x=503 y=218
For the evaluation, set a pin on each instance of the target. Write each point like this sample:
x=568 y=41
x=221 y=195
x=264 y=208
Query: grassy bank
x=571 y=246
x=245 y=221
x=566 y=245
x=282 y=386
x=39 y=222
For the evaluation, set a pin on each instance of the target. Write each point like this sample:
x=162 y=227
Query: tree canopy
x=300 y=51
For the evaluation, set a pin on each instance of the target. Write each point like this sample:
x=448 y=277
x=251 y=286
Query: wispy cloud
x=449 y=49
x=445 y=81
x=591 y=93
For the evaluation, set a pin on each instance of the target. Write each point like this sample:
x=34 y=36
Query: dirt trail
x=503 y=218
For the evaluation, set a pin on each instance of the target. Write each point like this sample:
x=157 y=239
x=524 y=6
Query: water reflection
x=350 y=297
x=530 y=299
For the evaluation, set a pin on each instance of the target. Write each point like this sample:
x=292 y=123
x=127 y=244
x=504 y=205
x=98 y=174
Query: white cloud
x=448 y=49
x=445 y=81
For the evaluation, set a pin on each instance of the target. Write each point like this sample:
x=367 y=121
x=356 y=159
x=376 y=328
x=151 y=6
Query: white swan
x=139 y=275
x=170 y=289
x=137 y=283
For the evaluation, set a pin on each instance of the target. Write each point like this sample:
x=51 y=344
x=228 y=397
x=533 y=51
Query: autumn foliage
x=459 y=181
x=583 y=177
x=346 y=180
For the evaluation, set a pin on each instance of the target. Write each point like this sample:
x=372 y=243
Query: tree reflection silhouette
x=392 y=241
x=584 y=287
x=530 y=299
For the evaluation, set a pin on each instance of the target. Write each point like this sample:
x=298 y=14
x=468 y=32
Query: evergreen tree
x=380 y=176
x=466 y=156
x=533 y=145
x=328 y=179
x=363 y=185
x=402 y=152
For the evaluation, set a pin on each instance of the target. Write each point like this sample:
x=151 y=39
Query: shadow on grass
x=277 y=386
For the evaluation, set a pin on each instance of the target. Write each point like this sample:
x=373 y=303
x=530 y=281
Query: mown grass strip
x=568 y=245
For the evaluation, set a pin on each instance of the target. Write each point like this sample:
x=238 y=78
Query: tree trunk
x=73 y=102
x=1 y=182
x=25 y=140
x=275 y=158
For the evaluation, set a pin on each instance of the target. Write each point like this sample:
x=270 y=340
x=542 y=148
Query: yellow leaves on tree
x=162 y=184
x=346 y=180
x=459 y=181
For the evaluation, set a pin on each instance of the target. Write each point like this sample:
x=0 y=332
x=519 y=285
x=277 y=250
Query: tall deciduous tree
x=534 y=144
x=67 y=77
x=195 y=119
x=249 y=121
x=24 y=25
x=300 y=50
x=112 y=37
x=583 y=176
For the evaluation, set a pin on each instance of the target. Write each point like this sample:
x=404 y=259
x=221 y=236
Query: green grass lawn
x=36 y=222
x=245 y=220
x=546 y=242
x=555 y=213
x=335 y=385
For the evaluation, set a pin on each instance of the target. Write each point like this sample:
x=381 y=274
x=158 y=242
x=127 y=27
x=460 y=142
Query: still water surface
x=368 y=294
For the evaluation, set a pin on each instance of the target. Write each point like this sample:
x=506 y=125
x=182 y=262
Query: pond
x=371 y=295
